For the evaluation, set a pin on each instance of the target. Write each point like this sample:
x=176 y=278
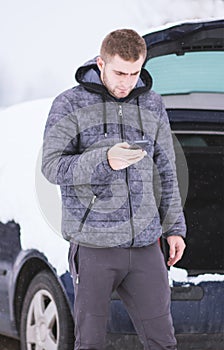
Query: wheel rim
x=42 y=329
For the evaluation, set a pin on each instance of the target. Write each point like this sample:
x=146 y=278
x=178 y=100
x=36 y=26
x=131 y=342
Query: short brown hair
x=126 y=43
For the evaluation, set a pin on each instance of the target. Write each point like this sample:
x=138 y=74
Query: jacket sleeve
x=62 y=161
x=165 y=180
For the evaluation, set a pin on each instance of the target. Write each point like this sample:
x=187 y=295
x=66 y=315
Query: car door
x=9 y=248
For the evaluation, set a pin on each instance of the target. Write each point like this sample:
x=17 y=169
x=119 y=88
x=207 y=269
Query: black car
x=186 y=62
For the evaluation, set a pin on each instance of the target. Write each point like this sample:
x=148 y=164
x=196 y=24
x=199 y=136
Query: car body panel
x=186 y=37
x=199 y=101
x=18 y=267
x=191 y=314
x=204 y=316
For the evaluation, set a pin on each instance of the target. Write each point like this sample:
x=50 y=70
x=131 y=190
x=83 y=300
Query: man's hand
x=120 y=156
x=177 y=247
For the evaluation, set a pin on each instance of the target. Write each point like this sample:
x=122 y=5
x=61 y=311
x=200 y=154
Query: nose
x=126 y=80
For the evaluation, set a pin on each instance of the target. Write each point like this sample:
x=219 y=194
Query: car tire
x=46 y=321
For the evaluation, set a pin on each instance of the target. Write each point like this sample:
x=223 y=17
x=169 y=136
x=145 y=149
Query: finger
x=135 y=153
x=172 y=253
x=179 y=253
x=136 y=160
x=132 y=152
x=123 y=161
x=173 y=259
x=124 y=145
x=130 y=159
x=127 y=159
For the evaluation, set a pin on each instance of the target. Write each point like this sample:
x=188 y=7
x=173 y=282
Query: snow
x=54 y=37
x=181 y=276
x=177 y=275
x=207 y=277
x=21 y=135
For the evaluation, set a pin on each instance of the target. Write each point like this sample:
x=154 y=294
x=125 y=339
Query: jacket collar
x=88 y=76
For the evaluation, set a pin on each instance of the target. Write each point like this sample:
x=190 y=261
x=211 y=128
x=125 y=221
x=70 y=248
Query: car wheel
x=46 y=321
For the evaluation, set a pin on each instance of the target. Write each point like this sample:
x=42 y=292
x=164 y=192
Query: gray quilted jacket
x=102 y=207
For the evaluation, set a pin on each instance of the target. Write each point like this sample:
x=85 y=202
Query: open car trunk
x=203 y=146
x=186 y=63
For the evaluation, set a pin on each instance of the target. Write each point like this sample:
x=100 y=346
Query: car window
x=204 y=206
x=191 y=72
x=203 y=141
x=192 y=141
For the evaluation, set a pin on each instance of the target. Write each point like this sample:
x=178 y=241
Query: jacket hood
x=88 y=76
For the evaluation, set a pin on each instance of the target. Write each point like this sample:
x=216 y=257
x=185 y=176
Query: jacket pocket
x=87 y=213
x=76 y=264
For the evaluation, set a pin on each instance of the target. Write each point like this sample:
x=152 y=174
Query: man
x=117 y=198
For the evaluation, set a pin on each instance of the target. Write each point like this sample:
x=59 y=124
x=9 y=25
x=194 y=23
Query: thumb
x=124 y=144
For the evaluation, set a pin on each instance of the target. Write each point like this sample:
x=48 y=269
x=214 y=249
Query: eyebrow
x=117 y=71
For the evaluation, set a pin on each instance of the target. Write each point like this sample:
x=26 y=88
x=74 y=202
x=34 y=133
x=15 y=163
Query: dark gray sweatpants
x=140 y=277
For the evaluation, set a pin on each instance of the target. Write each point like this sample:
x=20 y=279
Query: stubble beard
x=112 y=92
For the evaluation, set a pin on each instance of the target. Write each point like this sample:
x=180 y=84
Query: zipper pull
x=77 y=279
x=120 y=111
x=93 y=199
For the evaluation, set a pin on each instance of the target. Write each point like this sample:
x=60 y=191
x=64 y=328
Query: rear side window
x=191 y=72
x=204 y=206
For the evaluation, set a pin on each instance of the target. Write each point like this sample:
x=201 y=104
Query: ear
x=100 y=63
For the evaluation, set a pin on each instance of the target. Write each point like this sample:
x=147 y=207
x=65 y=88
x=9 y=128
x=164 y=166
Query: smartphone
x=139 y=144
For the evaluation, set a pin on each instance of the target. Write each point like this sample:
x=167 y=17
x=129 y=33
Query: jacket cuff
x=105 y=162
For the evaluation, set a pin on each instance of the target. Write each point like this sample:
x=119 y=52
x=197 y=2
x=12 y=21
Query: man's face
x=119 y=76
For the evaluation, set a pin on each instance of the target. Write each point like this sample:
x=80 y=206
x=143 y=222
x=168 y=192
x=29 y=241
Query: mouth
x=123 y=91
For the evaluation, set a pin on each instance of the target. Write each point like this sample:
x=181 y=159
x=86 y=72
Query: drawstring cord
x=140 y=119
x=104 y=117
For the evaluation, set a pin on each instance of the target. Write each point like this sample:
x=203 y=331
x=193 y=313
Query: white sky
x=44 y=41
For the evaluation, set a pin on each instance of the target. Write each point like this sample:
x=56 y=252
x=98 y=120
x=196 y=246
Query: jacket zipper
x=87 y=213
x=76 y=262
x=120 y=113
